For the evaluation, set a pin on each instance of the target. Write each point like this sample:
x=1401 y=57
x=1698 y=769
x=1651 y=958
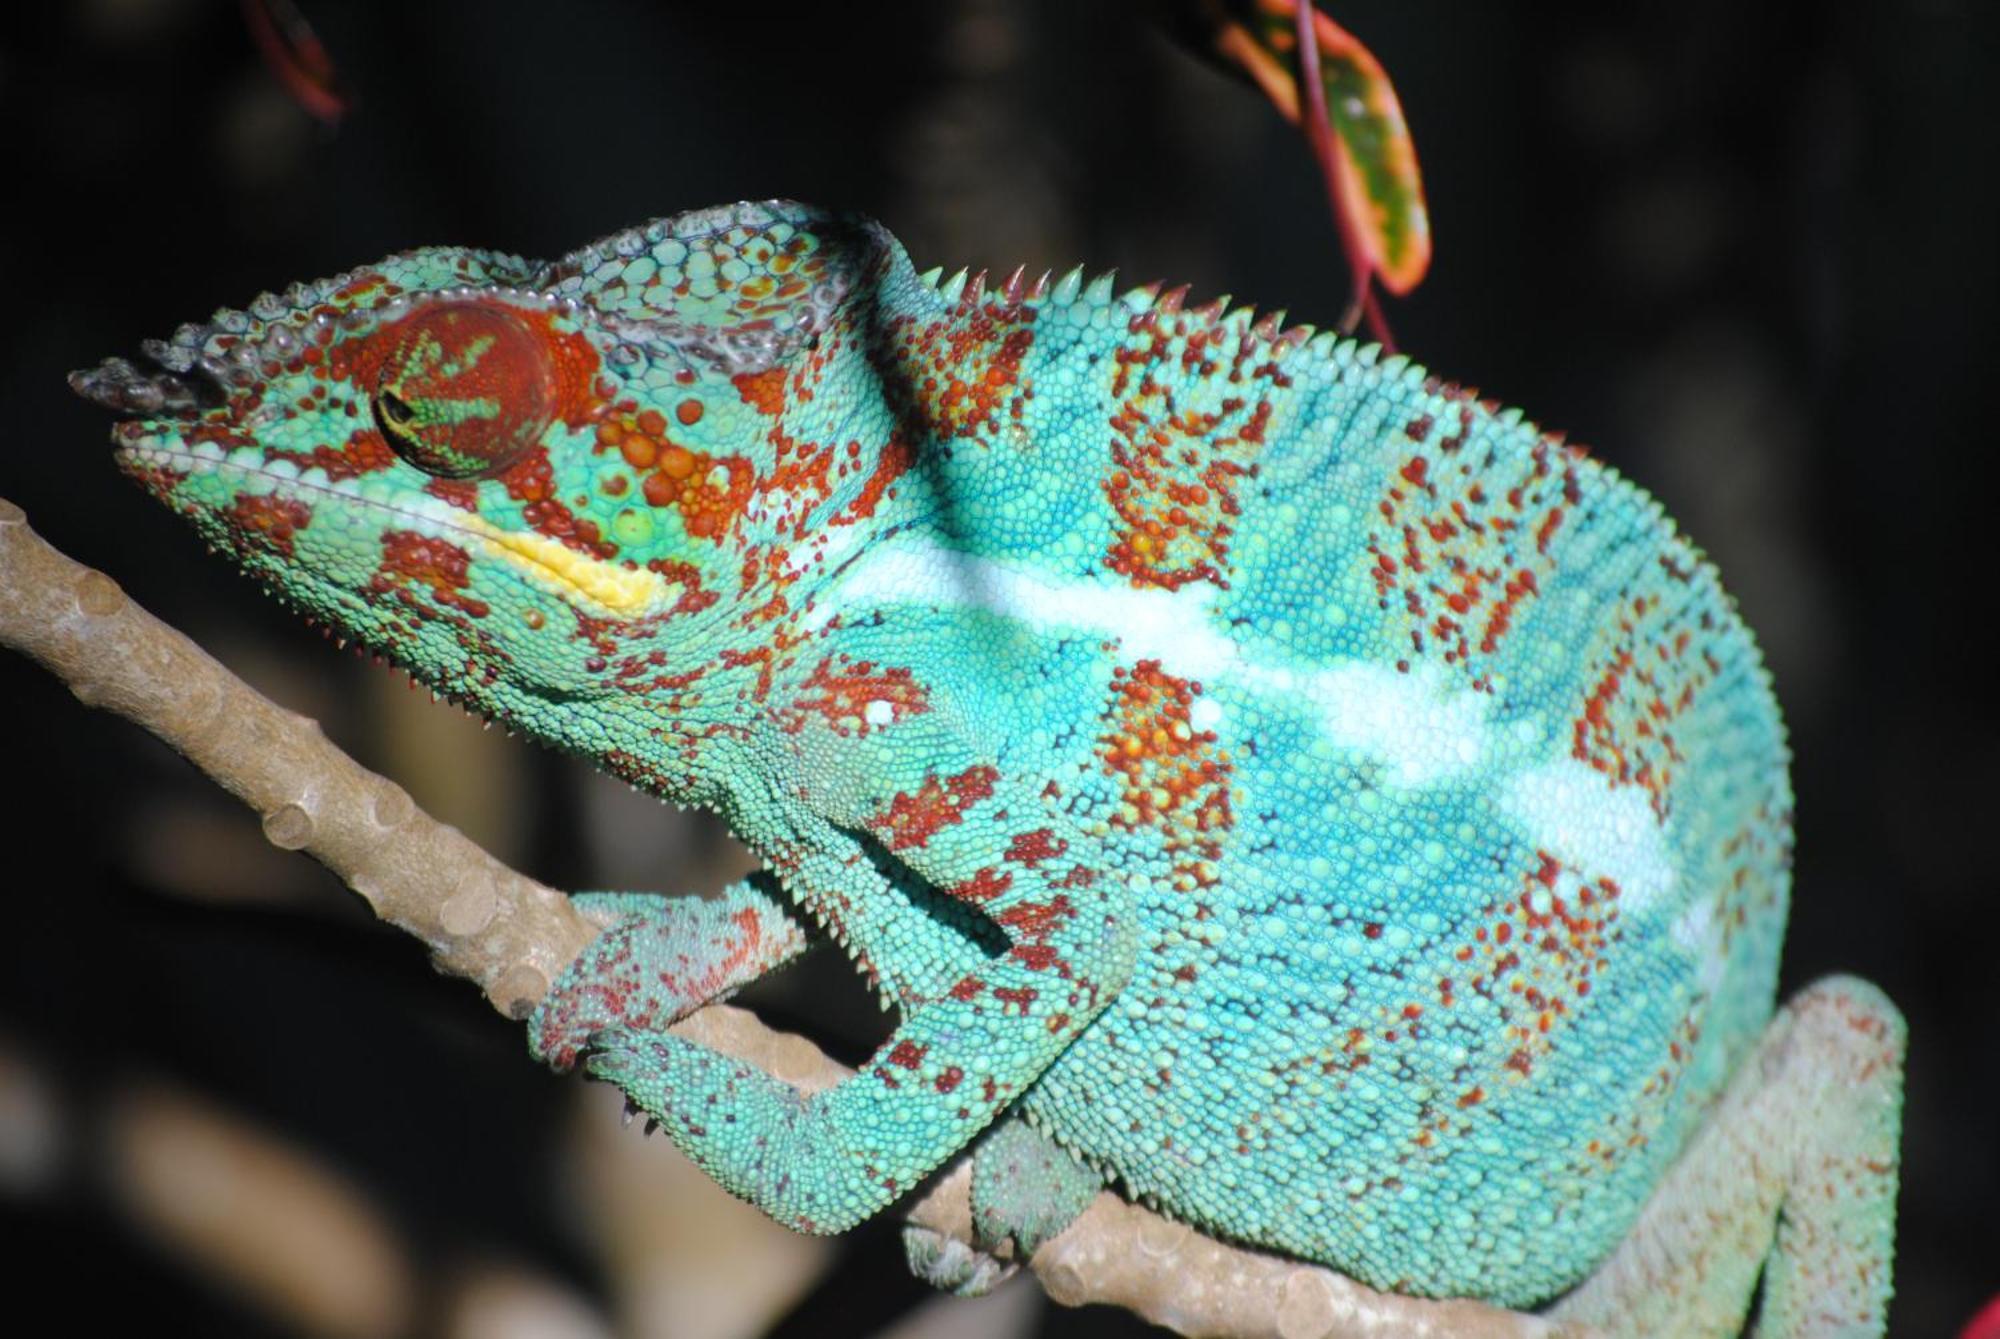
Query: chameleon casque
x=1317 y=801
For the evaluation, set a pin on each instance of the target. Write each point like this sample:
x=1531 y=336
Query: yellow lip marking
x=616 y=590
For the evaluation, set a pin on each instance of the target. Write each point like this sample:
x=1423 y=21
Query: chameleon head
x=454 y=461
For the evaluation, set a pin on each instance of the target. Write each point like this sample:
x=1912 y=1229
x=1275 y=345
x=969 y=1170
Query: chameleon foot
x=660 y=958
x=1025 y=1189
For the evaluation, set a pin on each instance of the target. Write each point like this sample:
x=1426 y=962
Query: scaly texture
x=1321 y=802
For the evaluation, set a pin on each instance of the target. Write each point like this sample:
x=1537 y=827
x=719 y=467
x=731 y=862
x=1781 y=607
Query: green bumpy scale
x=1314 y=800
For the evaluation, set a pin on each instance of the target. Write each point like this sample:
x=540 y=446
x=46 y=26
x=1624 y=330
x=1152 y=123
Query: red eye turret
x=466 y=389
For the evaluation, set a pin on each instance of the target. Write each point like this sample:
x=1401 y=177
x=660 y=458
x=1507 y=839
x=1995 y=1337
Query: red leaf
x=295 y=54
x=1985 y=1325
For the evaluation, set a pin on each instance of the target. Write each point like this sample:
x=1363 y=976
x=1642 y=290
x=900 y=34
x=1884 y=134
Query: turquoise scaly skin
x=1328 y=807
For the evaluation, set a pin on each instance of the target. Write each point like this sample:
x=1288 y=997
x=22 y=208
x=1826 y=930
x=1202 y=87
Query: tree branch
x=512 y=936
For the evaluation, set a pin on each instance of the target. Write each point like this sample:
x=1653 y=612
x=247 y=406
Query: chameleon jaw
x=601 y=589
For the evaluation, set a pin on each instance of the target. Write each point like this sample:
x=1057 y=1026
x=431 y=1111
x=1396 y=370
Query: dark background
x=1746 y=252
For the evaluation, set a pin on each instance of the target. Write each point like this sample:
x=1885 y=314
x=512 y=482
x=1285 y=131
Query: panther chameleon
x=1261 y=776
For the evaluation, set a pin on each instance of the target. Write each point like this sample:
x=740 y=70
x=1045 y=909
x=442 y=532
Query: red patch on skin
x=693 y=598
x=967 y=988
x=1011 y=998
x=763 y=391
x=1031 y=848
x=1457 y=440
x=737 y=950
x=1174 y=490
x=460 y=493
x=1532 y=955
x=983 y=886
x=891 y=464
x=531 y=481
x=950 y=1078
x=912 y=820
x=674 y=476
x=801 y=477
x=444 y=568
x=840 y=694
x=1039 y=956
x=907 y=1054
x=1176 y=470
x=1032 y=925
x=1463 y=543
x=965 y=377
x=1176 y=780
x=360 y=285
x=364 y=452
x=708 y=504
x=1648 y=670
x=268 y=522
x=1517 y=591
x=770 y=657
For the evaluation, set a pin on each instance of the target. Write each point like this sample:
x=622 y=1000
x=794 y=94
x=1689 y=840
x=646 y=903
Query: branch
x=513 y=936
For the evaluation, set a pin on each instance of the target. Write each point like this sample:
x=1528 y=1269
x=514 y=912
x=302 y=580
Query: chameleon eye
x=465 y=390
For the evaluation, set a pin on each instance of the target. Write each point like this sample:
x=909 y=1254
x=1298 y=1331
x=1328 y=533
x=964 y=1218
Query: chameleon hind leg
x=1025 y=1189
x=660 y=958
x=1792 y=1174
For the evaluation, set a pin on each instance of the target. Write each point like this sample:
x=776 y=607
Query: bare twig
x=513 y=936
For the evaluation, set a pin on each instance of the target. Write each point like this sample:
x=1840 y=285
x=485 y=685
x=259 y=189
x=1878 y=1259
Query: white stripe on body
x=1420 y=728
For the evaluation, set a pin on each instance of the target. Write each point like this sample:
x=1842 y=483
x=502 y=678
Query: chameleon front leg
x=1793 y=1173
x=660 y=958
x=826 y=1162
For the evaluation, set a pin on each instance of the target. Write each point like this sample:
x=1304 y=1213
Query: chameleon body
x=1312 y=798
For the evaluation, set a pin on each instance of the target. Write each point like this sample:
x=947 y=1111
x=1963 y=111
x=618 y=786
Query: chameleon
x=1264 y=779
